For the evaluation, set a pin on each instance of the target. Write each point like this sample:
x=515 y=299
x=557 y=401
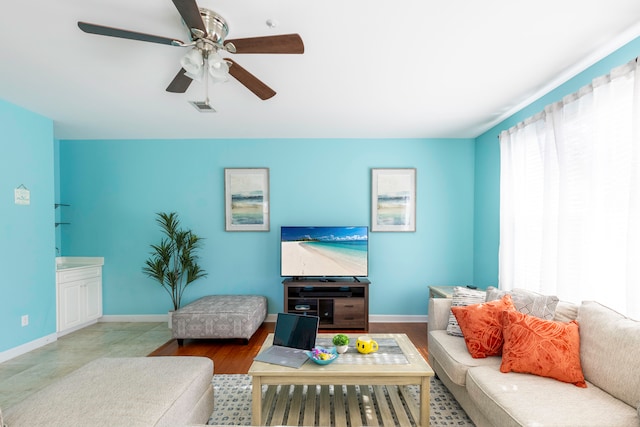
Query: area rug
x=233 y=403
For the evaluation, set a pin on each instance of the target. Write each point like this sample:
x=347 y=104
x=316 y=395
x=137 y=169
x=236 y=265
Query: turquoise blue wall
x=27 y=239
x=116 y=187
x=487 y=165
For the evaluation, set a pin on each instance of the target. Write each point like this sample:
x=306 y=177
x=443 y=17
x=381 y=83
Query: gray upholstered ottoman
x=220 y=316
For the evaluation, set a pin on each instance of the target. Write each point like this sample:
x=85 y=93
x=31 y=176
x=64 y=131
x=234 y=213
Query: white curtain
x=570 y=196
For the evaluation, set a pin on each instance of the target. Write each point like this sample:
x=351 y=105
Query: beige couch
x=133 y=391
x=610 y=359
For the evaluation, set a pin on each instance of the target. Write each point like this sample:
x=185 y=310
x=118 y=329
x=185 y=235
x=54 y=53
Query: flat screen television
x=324 y=251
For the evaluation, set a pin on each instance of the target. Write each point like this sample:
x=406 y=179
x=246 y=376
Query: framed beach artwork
x=393 y=199
x=246 y=199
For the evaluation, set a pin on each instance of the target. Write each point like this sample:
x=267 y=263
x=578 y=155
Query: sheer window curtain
x=570 y=196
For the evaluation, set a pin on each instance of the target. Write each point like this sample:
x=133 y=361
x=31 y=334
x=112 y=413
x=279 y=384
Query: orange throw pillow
x=542 y=347
x=481 y=326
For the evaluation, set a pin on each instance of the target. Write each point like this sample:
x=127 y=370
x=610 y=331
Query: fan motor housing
x=217 y=28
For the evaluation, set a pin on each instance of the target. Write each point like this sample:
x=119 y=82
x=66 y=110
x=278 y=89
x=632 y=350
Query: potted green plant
x=341 y=341
x=174 y=261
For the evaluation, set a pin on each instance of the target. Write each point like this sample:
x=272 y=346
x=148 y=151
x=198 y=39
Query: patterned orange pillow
x=481 y=326
x=542 y=347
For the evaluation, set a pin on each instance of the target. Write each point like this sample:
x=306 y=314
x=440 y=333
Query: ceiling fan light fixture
x=193 y=63
x=197 y=77
x=218 y=68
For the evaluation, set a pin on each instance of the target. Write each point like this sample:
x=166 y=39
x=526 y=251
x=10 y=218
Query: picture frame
x=246 y=199
x=393 y=199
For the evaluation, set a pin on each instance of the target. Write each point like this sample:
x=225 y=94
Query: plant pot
x=342 y=349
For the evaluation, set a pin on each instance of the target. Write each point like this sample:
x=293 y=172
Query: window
x=570 y=196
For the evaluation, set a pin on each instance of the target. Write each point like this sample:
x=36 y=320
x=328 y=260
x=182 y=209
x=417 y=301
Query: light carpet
x=233 y=403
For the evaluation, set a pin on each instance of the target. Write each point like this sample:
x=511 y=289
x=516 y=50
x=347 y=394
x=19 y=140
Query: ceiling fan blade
x=285 y=43
x=250 y=81
x=190 y=13
x=126 y=34
x=180 y=82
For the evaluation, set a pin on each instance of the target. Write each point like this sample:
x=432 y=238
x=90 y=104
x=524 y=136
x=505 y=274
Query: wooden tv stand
x=340 y=303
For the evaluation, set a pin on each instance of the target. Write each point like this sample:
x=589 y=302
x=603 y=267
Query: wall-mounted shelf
x=56 y=206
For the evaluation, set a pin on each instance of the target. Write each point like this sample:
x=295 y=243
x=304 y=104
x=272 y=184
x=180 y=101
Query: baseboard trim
x=27 y=347
x=397 y=318
x=134 y=318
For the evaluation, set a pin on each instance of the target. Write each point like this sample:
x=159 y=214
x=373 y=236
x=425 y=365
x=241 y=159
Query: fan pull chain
x=206 y=80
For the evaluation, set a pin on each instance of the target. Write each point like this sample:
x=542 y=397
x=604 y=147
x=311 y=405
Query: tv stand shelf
x=340 y=303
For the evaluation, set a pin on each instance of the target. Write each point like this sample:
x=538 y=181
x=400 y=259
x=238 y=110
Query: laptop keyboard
x=287 y=352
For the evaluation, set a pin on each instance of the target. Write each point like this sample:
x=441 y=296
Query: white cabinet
x=79 y=294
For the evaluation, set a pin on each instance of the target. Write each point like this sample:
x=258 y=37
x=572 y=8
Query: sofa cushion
x=527 y=302
x=481 y=326
x=131 y=391
x=516 y=399
x=541 y=347
x=609 y=351
x=452 y=354
x=566 y=311
x=463 y=296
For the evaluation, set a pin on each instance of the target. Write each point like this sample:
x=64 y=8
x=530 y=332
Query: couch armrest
x=438 y=316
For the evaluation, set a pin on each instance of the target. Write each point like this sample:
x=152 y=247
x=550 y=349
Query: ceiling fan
x=208 y=32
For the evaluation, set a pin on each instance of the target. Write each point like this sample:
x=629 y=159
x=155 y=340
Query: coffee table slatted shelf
x=281 y=399
x=390 y=405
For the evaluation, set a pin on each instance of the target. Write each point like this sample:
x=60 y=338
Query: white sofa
x=130 y=391
x=610 y=359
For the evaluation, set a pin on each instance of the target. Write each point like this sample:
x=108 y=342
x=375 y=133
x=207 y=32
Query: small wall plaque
x=22 y=195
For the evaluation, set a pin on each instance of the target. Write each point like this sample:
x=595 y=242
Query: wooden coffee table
x=417 y=371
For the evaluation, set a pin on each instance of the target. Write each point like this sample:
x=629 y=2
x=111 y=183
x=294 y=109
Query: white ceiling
x=371 y=68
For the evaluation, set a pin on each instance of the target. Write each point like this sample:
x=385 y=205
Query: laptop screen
x=295 y=330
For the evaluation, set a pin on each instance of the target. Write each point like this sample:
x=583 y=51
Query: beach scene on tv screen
x=324 y=251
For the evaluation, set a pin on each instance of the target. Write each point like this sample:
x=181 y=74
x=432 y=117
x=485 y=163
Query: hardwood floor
x=235 y=356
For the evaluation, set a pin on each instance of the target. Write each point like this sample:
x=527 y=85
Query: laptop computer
x=294 y=334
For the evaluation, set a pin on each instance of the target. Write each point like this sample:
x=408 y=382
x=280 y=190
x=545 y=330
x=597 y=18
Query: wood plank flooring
x=235 y=356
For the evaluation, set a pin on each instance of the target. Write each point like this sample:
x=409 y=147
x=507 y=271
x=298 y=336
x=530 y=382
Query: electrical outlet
x=25 y=320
